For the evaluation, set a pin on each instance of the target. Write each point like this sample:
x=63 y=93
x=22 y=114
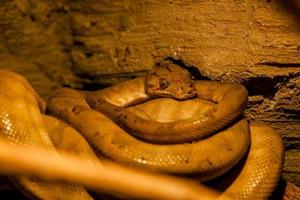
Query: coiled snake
x=128 y=105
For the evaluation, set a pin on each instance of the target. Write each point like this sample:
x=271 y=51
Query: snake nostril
x=76 y=110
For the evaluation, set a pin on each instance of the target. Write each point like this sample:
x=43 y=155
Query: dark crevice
x=92 y=86
x=265 y=86
x=291 y=6
x=78 y=43
x=87 y=83
x=280 y=65
x=294 y=114
x=94 y=23
x=291 y=146
x=88 y=54
x=290 y=111
x=192 y=69
x=279 y=191
x=32 y=18
x=62 y=10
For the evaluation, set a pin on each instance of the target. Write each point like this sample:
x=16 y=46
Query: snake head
x=170 y=80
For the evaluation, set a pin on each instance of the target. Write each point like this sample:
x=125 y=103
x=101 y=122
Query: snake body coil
x=130 y=105
x=114 y=142
x=207 y=158
x=231 y=100
x=21 y=124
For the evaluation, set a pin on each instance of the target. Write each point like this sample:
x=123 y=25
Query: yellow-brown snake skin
x=21 y=124
x=213 y=155
x=205 y=158
x=231 y=100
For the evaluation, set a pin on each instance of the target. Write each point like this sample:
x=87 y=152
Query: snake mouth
x=185 y=96
x=185 y=93
x=178 y=94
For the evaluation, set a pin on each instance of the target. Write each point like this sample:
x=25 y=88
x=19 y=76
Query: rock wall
x=34 y=41
x=90 y=44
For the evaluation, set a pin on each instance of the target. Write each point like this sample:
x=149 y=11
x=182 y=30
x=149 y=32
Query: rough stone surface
x=34 y=37
x=89 y=43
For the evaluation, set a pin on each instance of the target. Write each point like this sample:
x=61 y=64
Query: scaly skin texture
x=66 y=139
x=198 y=157
x=21 y=124
x=256 y=176
x=173 y=81
x=255 y=181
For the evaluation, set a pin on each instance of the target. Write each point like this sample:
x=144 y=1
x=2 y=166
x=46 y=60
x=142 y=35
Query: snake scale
x=21 y=123
x=225 y=137
x=231 y=100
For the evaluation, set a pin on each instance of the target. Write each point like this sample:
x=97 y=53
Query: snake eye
x=163 y=83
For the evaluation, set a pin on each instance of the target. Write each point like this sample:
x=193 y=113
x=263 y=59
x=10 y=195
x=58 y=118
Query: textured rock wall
x=34 y=38
x=90 y=43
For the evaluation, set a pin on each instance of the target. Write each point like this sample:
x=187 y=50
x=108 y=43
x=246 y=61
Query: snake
x=170 y=80
x=105 y=118
x=132 y=102
x=22 y=124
